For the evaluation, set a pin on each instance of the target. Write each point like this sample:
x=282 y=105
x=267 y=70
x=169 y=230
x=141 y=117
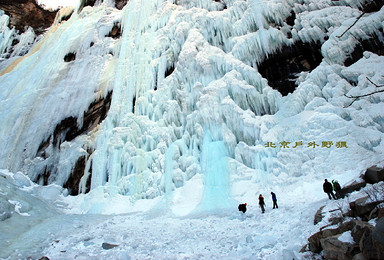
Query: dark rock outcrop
x=318 y=216
x=290 y=20
x=65 y=17
x=374 y=44
x=364 y=241
x=115 y=33
x=281 y=68
x=380 y=213
x=378 y=232
x=315 y=240
x=25 y=13
x=359 y=229
x=336 y=249
x=370 y=6
x=374 y=174
x=70 y=57
x=73 y=181
x=370 y=246
x=85 y=3
x=169 y=70
x=353 y=186
x=120 y=4
x=108 y=245
x=361 y=208
x=67 y=130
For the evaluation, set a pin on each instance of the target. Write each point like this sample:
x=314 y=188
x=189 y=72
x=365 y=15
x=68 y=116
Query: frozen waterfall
x=176 y=71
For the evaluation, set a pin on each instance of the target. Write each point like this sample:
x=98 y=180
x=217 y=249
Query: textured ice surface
x=180 y=70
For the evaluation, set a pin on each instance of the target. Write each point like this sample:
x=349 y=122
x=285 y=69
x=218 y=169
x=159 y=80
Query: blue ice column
x=214 y=164
x=168 y=172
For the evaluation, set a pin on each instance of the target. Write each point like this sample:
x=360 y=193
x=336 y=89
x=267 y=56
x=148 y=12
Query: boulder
x=374 y=174
x=361 y=208
x=108 y=245
x=335 y=249
x=318 y=216
x=351 y=187
x=370 y=246
x=359 y=228
x=368 y=241
x=314 y=244
x=378 y=232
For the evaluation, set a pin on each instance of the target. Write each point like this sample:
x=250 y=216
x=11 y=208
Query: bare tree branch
x=374 y=83
x=358 y=18
x=369 y=94
x=365 y=94
x=351 y=102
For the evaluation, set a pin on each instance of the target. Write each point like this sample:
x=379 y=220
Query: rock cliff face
x=24 y=13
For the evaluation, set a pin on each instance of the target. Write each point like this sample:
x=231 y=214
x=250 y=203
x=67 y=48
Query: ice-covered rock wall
x=166 y=73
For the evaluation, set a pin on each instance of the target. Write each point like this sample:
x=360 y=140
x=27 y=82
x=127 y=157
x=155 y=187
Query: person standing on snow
x=261 y=203
x=336 y=188
x=274 y=199
x=327 y=187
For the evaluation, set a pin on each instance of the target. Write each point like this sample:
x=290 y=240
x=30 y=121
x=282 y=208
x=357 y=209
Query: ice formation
x=181 y=70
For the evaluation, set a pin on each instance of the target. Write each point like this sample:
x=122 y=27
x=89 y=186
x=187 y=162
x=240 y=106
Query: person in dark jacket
x=274 y=199
x=261 y=203
x=328 y=188
x=242 y=207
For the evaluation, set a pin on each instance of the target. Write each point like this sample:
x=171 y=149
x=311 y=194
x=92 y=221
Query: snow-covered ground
x=44 y=222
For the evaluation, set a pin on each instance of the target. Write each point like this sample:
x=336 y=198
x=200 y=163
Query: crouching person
x=242 y=207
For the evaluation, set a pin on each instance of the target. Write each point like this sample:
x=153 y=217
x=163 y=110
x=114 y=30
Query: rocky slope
x=353 y=226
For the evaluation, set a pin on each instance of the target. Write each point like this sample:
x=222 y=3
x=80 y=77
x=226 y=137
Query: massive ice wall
x=102 y=97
